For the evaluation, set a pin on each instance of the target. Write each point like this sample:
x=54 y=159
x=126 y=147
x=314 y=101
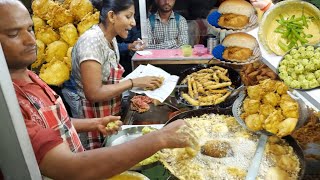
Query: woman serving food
x=96 y=71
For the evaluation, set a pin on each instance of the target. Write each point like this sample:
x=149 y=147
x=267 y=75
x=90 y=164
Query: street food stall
x=256 y=115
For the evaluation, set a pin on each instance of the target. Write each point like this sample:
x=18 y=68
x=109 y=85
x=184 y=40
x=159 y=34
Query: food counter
x=172 y=57
x=170 y=60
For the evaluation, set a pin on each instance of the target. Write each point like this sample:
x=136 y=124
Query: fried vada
x=238 y=47
x=235 y=14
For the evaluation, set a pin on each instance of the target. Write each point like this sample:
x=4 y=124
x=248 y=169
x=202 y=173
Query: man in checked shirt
x=166 y=29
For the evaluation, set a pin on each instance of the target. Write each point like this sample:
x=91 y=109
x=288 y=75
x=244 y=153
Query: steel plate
x=125 y=136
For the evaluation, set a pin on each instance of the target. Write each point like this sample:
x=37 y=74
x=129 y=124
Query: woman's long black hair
x=104 y=6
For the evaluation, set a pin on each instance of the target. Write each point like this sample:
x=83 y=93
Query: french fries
x=207 y=86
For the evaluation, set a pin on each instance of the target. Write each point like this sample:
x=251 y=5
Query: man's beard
x=166 y=8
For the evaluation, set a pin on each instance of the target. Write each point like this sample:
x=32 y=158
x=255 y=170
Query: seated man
x=166 y=29
x=52 y=133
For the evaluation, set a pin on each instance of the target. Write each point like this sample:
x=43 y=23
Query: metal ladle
x=255 y=162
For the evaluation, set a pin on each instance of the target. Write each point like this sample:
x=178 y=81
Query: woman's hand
x=137 y=45
x=109 y=125
x=150 y=82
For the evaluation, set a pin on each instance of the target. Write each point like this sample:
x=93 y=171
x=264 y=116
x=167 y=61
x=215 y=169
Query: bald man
x=53 y=134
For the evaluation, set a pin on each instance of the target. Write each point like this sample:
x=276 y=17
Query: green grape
x=301 y=77
x=318 y=80
x=310 y=67
x=296 y=56
x=304 y=84
x=295 y=84
x=287 y=80
x=288 y=56
x=310 y=76
x=310 y=48
x=317 y=74
x=304 y=62
x=313 y=83
x=299 y=69
x=317 y=50
x=282 y=68
x=290 y=70
x=317 y=55
x=316 y=62
x=293 y=52
x=284 y=62
x=283 y=75
x=303 y=55
x=309 y=54
x=302 y=49
x=294 y=76
x=293 y=63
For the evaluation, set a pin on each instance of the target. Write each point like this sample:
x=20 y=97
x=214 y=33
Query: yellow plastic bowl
x=186 y=50
x=270 y=39
x=129 y=175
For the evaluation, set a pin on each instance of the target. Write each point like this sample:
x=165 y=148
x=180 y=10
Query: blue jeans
x=73 y=100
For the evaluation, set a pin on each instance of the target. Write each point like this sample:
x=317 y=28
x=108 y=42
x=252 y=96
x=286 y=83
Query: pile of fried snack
x=57 y=27
x=254 y=72
x=207 y=86
x=269 y=107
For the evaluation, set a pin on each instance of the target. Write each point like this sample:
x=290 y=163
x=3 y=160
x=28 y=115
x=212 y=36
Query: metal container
x=212 y=42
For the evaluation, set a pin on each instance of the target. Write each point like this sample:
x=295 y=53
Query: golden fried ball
x=47 y=35
x=87 y=22
x=69 y=33
x=268 y=85
x=271 y=98
x=266 y=109
x=57 y=49
x=290 y=109
x=80 y=8
x=68 y=59
x=59 y=17
x=217 y=149
x=255 y=92
x=272 y=121
x=254 y=122
x=55 y=72
x=282 y=88
x=38 y=23
x=40 y=54
x=251 y=106
x=287 y=126
x=41 y=8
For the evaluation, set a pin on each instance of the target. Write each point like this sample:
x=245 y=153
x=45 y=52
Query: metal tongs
x=256 y=161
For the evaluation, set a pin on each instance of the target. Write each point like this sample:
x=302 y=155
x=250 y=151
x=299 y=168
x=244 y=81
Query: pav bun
x=240 y=39
x=240 y=7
